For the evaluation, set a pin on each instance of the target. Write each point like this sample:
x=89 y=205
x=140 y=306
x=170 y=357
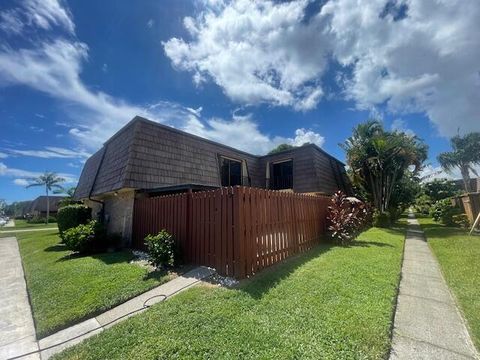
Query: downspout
x=102 y=211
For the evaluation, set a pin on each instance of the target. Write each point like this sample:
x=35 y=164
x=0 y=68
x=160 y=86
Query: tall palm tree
x=51 y=181
x=379 y=159
x=465 y=155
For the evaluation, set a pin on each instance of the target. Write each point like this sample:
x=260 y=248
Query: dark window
x=282 y=175
x=231 y=172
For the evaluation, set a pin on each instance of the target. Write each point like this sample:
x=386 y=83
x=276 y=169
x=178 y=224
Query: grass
x=458 y=255
x=23 y=224
x=67 y=289
x=330 y=303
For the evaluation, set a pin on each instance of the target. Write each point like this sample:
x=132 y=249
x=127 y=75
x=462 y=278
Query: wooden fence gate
x=238 y=231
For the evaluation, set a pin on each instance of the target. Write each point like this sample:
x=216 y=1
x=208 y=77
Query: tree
x=281 y=147
x=439 y=189
x=69 y=199
x=3 y=206
x=465 y=155
x=51 y=181
x=379 y=160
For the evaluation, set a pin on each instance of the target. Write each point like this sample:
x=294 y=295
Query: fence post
x=188 y=215
x=295 y=227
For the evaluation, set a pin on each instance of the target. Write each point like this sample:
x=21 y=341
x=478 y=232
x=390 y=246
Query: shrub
x=86 y=238
x=80 y=238
x=71 y=216
x=382 y=219
x=461 y=220
x=423 y=204
x=161 y=248
x=41 y=220
x=443 y=211
x=346 y=217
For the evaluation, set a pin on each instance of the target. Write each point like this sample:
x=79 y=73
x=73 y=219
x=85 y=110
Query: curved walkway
x=428 y=324
x=17 y=331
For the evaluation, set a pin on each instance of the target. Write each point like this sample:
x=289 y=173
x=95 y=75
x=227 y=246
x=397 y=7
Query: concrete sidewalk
x=428 y=324
x=17 y=331
x=26 y=230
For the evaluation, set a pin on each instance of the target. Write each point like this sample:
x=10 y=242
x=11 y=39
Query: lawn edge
x=397 y=293
x=91 y=315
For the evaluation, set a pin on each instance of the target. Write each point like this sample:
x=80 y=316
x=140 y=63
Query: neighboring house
x=145 y=158
x=474 y=184
x=38 y=206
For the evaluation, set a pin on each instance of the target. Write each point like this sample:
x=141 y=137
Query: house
x=145 y=159
x=474 y=184
x=38 y=207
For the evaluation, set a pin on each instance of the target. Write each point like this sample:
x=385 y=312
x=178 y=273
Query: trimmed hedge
x=80 y=238
x=71 y=216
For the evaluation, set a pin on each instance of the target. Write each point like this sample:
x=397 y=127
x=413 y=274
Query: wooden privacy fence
x=238 y=231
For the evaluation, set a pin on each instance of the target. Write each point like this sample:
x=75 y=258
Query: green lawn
x=64 y=290
x=330 y=303
x=459 y=258
x=23 y=224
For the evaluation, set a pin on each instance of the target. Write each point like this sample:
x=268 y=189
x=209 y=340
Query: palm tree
x=465 y=155
x=379 y=159
x=51 y=181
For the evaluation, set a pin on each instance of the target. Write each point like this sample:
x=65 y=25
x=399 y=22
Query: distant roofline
x=181 y=132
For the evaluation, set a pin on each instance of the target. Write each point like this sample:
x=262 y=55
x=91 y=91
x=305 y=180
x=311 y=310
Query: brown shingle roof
x=146 y=155
x=40 y=203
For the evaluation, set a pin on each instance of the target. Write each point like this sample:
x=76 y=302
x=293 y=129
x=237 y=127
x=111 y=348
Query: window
x=282 y=175
x=231 y=172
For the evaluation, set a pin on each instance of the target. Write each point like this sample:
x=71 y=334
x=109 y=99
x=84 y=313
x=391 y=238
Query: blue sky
x=251 y=75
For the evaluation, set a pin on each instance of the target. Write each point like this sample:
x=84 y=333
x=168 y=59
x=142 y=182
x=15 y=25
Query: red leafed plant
x=347 y=217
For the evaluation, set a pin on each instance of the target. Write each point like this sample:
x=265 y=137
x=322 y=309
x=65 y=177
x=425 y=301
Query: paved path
x=27 y=230
x=17 y=331
x=427 y=324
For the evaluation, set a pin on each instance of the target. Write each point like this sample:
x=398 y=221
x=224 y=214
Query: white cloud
x=401 y=126
x=430 y=173
x=21 y=182
x=243 y=133
x=150 y=23
x=43 y=14
x=256 y=51
x=50 y=152
x=27 y=174
x=426 y=62
x=36 y=129
x=53 y=66
x=303 y=136
x=417 y=56
x=3 y=155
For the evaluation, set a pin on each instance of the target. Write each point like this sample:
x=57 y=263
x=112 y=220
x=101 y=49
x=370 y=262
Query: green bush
x=80 y=238
x=423 y=204
x=41 y=220
x=86 y=238
x=71 y=216
x=443 y=211
x=162 y=250
x=461 y=220
x=382 y=220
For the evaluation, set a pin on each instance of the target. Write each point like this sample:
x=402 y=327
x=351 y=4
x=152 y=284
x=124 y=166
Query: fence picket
x=239 y=230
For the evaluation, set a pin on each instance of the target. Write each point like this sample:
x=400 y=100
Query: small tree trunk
x=466 y=178
x=48 y=208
